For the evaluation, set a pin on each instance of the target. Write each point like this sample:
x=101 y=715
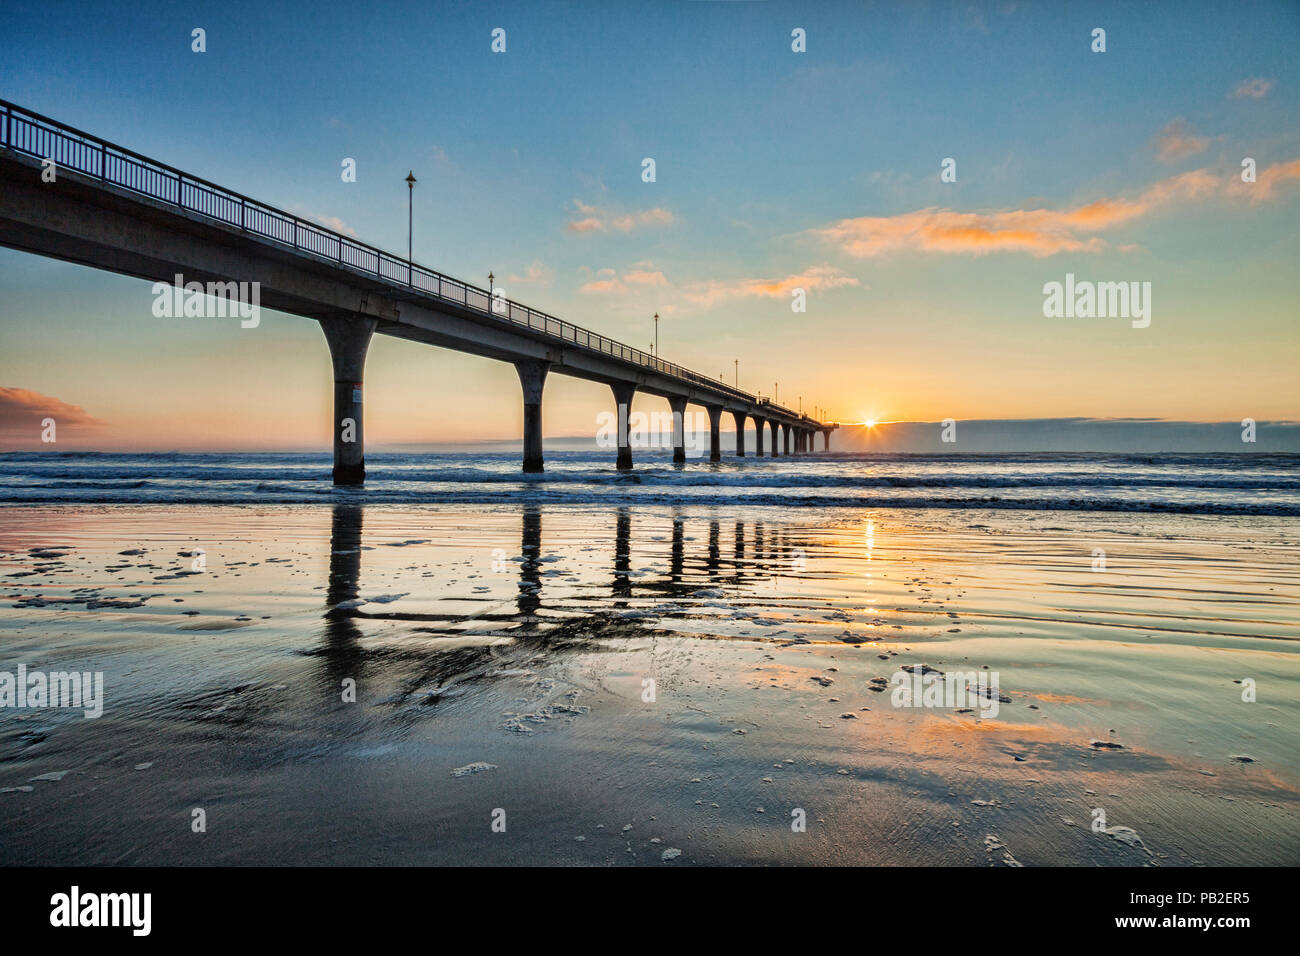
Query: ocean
x=1223 y=484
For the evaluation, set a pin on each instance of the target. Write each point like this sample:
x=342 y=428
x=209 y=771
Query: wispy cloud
x=329 y=222
x=1255 y=88
x=1039 y=232
x=535 y=273
x=812 y=279
x=641 y=278
x=607 y=281
x=1268 y=184
x=596 y=219
x=1177 y=141
x=22 y=410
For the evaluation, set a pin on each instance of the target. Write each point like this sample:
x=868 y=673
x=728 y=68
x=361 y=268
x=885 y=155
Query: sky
x=775 y=170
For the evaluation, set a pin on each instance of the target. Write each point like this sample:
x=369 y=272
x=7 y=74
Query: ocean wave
x=650 y=475
x=272 y=494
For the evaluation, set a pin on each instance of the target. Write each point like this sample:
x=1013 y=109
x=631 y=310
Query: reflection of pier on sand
x=758 y=557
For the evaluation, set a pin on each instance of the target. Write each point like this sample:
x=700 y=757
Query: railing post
x=103 y=163
x=242 y=206
x=180 y=189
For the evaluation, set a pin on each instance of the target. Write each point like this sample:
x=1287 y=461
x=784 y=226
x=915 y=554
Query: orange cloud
x=812 y=279
x=608 y=281
x=22 y=411
x=1176 y=142
x=536 y=274
x=1267 y=183
x=1038 y=232
x=599 y=220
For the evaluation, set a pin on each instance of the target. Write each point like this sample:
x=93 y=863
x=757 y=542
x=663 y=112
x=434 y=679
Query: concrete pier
x=122 y=212
x=623 y=393
x=532 y=377
x=715 y=439
x=678 y=406
x=348 y=339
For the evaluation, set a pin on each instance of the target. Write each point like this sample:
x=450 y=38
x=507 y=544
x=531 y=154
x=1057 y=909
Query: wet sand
x=524 y=637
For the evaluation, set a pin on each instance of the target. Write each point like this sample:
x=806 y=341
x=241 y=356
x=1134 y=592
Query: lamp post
x=776 y=393
x=656 y=335
x=737 y=361
x=410 y=223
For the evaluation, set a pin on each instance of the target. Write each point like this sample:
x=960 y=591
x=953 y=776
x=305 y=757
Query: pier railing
x=32 y=134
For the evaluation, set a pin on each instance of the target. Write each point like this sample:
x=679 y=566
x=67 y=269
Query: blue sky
x=530 y=166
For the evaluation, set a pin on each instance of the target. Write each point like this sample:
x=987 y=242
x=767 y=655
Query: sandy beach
x=540 y=683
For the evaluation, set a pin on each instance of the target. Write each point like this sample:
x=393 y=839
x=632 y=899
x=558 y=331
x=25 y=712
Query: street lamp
x=656 y=335
x=410 y=222
x=737 y=361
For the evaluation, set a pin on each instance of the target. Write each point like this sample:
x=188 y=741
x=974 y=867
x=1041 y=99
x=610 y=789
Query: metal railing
x=23 y=131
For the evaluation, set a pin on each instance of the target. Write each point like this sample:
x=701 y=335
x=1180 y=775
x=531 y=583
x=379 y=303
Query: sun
x=870 y=423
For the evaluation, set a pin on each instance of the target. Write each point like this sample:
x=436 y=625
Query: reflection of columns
x=678 y=405
x=759 y=426
x=622 y=553
x=715 y=551
x=715 y=440
x=530 y=569
x=776 y=438
x=345 y=554
x=678 y=552
x=348 y=340
x=623 y=393
x=740 y=433
x=532 y=376
x=343 y=655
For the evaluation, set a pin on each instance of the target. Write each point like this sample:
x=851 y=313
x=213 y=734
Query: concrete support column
x=740 y=433
x=789 y=439
x=715 y=440
x=678 y=405
x=348 y=341
x=532 y=376
x=760 y=426
x=623 y=393
x=827 y=435
x=776 y=439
